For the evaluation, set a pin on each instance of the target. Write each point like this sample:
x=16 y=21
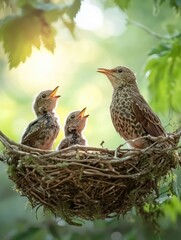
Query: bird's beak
x=53 y=93
x=81 y=114
x=105 y=71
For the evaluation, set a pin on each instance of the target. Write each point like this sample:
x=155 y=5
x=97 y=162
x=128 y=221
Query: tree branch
x=146 y=29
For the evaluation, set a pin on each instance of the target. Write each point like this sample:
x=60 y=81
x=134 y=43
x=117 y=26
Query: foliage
x=165 y=198
x=173 y=3
x=124 y=4
x=33 y=26
x=164 y=75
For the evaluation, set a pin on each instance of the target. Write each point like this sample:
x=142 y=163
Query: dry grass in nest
x=86 y=182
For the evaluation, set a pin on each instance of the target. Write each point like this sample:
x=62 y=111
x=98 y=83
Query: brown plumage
x=42 y=132
x=132 y=117
x=74 y=125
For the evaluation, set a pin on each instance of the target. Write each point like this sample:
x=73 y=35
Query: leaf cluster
x=32 y=25
x=176 y=4
x=163 y=71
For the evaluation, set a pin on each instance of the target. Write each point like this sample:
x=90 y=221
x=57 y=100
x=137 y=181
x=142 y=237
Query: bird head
x=45 y=101
x=76 y=121
x=119 y=76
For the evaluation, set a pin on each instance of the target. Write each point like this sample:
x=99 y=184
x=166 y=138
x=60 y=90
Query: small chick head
x=45 y=101
x=75 y=122
x=119 y=76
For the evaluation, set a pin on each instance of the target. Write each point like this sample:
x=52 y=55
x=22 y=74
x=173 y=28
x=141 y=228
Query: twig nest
x=85 y=182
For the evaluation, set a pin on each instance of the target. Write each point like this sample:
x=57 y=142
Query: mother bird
x=131 y=115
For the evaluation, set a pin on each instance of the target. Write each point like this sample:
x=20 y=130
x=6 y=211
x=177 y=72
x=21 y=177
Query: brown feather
x=147 y=118
x=33 y=130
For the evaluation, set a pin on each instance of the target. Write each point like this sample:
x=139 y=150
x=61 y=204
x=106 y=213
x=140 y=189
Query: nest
x=89 y=183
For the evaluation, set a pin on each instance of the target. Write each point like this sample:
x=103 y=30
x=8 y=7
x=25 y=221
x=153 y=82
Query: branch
x=87 y=152
x=11 y=144
x=146 y=29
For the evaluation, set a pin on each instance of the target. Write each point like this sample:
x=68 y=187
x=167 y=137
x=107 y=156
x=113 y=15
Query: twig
x=78 y=148
x=146 y=29
x=9 y=143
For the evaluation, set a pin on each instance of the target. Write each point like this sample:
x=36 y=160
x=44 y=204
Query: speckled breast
x=122 y=115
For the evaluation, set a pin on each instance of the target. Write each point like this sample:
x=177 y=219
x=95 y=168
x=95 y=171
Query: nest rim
x=88 y=183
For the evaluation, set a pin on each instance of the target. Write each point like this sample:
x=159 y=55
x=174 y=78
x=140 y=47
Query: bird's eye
x=119 y=70
x=72 y=116
x=44 y=95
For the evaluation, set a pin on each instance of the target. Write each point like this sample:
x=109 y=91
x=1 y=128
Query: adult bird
x=131 y=115
x=42 y=132
x=74 y=125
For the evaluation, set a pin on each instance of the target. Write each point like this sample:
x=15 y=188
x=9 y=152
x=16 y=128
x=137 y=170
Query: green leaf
x=73 y=9
x=48 y=37
x=173 y=3
x=123 y=4
x=19 y=34
x=172 y=208
x=163 y=71
x=160 y=50
x=50 y=10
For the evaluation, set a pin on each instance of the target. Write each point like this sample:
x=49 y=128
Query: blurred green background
x=106 y=34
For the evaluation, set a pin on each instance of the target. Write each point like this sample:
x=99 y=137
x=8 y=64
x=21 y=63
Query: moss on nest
x=89 y=183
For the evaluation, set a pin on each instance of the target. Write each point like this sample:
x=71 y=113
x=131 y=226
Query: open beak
x=53 y=93
x=81 y=114
x=105 y=71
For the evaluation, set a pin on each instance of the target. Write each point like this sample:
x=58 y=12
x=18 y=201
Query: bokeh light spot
x=89 y=17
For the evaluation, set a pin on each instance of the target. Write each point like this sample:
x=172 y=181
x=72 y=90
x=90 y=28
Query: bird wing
x=32 y=130
x=146 y=117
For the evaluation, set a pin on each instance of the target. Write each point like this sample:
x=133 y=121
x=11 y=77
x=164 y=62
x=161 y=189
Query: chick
x=74 y=125
x=42 y=132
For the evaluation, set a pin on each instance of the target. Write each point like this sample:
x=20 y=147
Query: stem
x=146 y=29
